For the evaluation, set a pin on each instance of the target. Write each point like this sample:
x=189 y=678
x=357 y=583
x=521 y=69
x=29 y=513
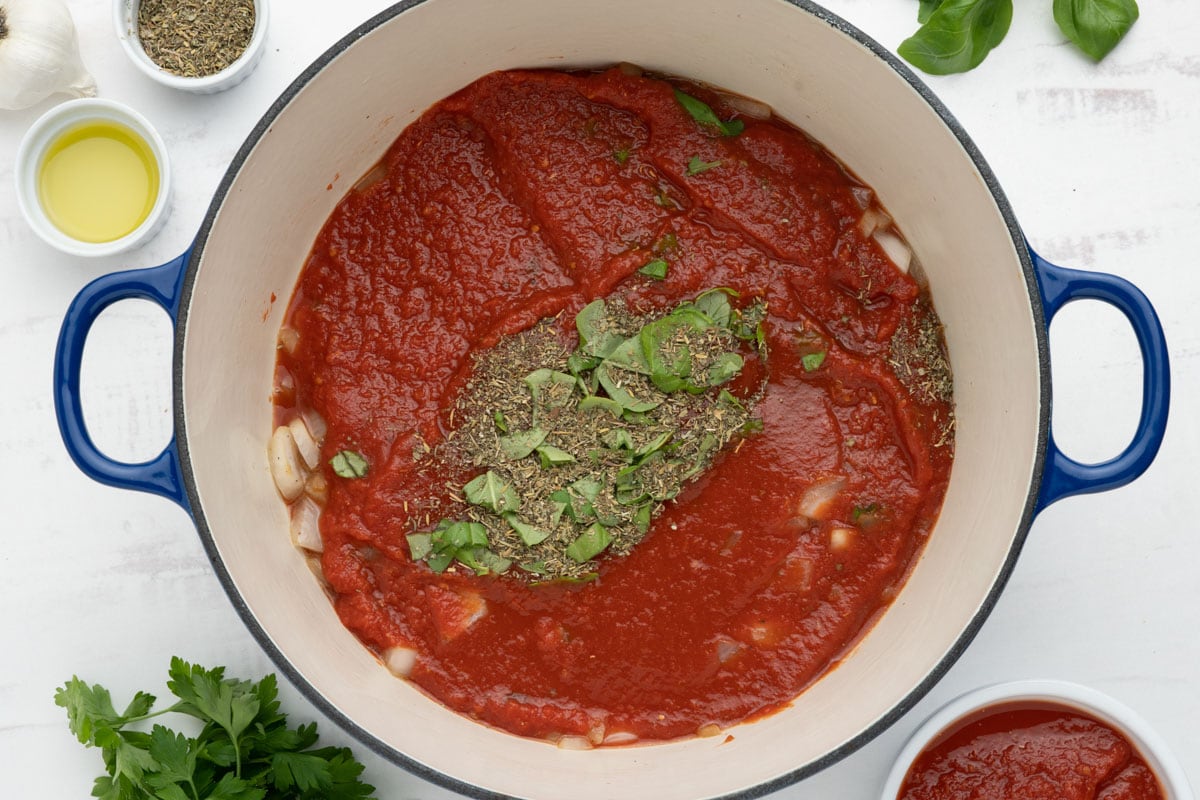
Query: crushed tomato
x=1030 y=753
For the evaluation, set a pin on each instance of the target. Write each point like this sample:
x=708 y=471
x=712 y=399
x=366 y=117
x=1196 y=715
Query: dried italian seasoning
x=195 y=38
x=576 y=451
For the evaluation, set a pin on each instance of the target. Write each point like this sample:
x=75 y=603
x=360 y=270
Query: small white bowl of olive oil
x=93 y=178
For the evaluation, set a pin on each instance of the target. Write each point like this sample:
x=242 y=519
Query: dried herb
x=918 y=357
x=580 y=448
x=195 y=38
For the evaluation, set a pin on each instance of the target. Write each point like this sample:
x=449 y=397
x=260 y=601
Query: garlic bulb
x=39 y=54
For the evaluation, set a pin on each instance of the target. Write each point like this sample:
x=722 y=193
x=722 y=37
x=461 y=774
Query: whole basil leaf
x=958 y=35
x=926 y=10
x=1096 y=26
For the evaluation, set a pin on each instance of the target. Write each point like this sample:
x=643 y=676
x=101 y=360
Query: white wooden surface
x=1101 y=166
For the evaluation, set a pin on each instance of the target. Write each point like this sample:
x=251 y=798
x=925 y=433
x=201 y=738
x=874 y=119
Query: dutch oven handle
x=1064 y=476
x=161 y=474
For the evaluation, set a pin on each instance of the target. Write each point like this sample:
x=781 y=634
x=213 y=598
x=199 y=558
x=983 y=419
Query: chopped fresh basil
x=349 y=464
x=501 y=424
x=518 y=445
x=552 y=456
x=703 y=113
x=454 y=540
x=529 y=534
x=656 y=269
x=589 y=544
x=813 y=361
x=696 y=165
x=491 y=492
x=535 y=567
x=420 y=545
x=621 y=155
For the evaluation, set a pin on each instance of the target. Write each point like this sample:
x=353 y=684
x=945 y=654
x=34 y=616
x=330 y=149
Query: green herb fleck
x=656 y=269
x=696 y=165
x=621 y=155
x=703 y=113
x=813 y=361
x=349 y=464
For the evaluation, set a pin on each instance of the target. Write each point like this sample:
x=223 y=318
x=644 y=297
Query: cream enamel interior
x=814 y=75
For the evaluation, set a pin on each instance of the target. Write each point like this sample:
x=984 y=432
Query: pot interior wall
x=338 y=125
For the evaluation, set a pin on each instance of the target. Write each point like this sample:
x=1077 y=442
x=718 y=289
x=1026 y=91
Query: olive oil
x=98 y=181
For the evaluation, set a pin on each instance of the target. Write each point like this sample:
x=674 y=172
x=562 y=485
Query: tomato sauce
x=525 y=196
x=1031 y=753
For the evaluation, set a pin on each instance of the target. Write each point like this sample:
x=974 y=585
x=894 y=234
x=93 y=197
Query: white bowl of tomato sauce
x=282 y=239
x=1036 y=740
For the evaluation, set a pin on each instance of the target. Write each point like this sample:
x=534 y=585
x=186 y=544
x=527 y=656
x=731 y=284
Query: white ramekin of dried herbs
x=201 y=46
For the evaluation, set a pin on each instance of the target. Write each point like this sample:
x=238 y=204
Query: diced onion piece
x=316 y=424
x=314 y=566
x=764 y=633
x=841 y=539
x=289 y=474
x=711 y=729
x=400 y=660
x=873 y=219
x=310 y=451
x=797 y=574
x=816 y=501
x=317 y=488
x=895 y=248
x=621 y=737
x=727 y=649
x=595 y=734
x=306 y=530
x=748 y=107
x=289 y=337
x=573 y=742
x=863 y=196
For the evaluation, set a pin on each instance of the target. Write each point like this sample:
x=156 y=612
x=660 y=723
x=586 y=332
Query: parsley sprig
x=245 y=751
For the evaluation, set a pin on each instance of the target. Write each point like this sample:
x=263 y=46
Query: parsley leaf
x=245 y=751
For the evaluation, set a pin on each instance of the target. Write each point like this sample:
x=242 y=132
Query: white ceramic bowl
x=1146 y=741
x=29 y=160
x=125 y=13
x=335 y=123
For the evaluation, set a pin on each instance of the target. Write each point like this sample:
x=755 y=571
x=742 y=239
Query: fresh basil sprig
x=957 y=35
